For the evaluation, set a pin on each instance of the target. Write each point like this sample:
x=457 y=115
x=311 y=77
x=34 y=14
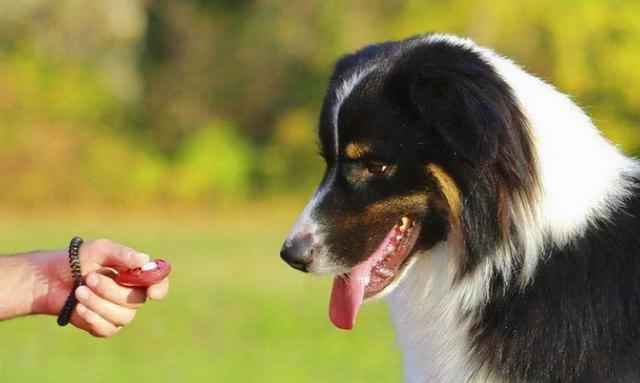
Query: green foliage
x=39 y=91
x=118 y=173
x=290 y=161
x=214 y=163
x=204 y=102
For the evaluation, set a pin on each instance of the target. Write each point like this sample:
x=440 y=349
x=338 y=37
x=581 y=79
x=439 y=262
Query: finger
x=94 y=323
x=107 y=288
x=104 y=252
x=159 y=290
x=112 y=313
x=82 y=324
x=79 y=322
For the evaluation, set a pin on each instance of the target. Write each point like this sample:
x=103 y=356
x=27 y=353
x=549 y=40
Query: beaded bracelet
x=74 y=261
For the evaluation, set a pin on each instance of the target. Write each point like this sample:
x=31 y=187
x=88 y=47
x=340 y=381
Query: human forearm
x=23 y=282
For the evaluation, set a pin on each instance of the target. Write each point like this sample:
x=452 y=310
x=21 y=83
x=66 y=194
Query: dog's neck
x=424 y=310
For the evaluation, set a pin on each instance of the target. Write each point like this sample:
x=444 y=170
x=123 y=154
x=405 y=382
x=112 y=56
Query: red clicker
x=149 y=274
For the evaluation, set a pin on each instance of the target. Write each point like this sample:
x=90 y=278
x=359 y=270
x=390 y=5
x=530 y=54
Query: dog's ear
x=461 y=99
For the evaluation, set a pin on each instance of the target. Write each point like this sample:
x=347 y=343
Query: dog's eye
x=359 y=172
x=376 y=167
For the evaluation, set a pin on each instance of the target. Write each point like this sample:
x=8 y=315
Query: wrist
x=52 y=281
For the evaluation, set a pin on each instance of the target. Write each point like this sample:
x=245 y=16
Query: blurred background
x=185 y=128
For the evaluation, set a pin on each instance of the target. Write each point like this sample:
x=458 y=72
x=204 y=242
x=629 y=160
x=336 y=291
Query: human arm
x=39 y=283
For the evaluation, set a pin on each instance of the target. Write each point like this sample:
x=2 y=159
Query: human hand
x=104 y=307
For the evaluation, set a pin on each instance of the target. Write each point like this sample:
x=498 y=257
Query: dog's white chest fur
x=424 y=310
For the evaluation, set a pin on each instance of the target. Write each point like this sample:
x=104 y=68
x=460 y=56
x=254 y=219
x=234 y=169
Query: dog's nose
x=297 y=251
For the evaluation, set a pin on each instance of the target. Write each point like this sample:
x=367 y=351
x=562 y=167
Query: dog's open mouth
x=370 y=277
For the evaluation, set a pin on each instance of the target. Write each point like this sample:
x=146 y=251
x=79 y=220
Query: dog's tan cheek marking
x=453 y=197
x=355 y=150
x=379 y=216
x=398 y=205
x=378 y=212
x=347 y=222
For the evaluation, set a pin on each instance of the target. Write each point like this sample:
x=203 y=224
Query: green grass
x=235 y=312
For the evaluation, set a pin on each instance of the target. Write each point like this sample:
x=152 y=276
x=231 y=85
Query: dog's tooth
x=406 y=224
x=399 y=237
x=385 y=272
x=391 y=249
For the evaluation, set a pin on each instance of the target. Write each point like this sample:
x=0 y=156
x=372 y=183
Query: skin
x=39 y=283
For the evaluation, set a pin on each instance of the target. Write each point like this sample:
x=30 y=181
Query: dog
x=500 y=225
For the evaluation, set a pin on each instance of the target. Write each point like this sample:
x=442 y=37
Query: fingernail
x=92 y=280
x=82 y=293
x=81 y=309
x=131 y=255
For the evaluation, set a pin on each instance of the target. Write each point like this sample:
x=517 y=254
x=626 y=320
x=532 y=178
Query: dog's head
x=412 y=133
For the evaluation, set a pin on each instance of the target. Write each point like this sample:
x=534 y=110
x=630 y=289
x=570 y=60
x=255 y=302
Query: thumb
x=104 y=252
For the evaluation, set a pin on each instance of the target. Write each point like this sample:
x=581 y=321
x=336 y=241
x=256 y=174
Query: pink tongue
x=346 y=298
x=348 y=289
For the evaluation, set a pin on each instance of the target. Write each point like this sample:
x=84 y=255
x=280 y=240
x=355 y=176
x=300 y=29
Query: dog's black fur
x=425 y=102
x=579 y=319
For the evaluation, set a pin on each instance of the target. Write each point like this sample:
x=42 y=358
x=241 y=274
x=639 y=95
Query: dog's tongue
x=348 y=289
x=347 y=296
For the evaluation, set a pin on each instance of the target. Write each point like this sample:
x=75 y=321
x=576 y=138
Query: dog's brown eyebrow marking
x=355 y=150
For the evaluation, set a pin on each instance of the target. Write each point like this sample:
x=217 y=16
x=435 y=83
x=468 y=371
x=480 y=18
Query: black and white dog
x=503 y=228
